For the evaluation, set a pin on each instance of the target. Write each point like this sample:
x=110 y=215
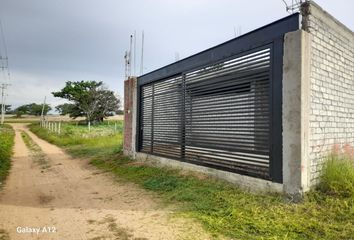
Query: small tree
x=21 y=110
x=90 y=99
x=36 y=109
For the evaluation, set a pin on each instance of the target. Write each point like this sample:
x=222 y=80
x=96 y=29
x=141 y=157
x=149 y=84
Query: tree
x=36 y=109
x=108 y=104
x=32 y=109
x=8 y=109
x=21 y=110
x=90 y=99
x=65 y=109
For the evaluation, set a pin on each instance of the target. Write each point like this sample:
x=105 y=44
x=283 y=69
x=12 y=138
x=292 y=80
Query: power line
x=4 y=58
x=3 y=37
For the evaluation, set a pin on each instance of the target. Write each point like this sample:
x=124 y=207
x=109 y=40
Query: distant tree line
x=28 y=109
x=89 y=99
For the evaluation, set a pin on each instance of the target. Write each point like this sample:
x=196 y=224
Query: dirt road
x=69 y=199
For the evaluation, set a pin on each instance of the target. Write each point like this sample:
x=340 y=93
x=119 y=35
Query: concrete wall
x=296 y=71
x=130 y=106
x=331 y=113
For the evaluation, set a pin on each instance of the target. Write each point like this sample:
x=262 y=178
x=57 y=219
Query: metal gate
x=223 y=109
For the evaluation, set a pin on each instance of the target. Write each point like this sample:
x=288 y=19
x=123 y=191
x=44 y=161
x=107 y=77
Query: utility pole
x=3 y=87
x=43 y=106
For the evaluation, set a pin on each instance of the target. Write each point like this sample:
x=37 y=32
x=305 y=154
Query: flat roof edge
x=231 y=47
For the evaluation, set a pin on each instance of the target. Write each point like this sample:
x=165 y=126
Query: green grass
x=338 y=176
x=6 y=144
x=222 y=208
x=101 y=140
x=37 y=154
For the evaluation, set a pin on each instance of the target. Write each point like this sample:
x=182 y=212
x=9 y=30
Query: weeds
x=338 y=176
x=6 y=144
x=79 y=144
x=36 y=152
x=221 y=207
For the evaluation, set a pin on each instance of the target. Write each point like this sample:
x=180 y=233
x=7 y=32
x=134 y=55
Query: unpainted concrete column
x=130 y=110
x=296 y=100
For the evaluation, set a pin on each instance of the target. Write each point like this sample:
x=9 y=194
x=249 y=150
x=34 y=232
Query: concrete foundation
x=244 y=182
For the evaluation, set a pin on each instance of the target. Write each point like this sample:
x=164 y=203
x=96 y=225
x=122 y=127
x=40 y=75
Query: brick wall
x=129 y=95
x=331 y=85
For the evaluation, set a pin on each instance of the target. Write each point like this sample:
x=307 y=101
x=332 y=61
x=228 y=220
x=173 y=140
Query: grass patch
x=101 y=140
x=6 y=144
x=36 y=152
x=338 y=176
x=221 y=207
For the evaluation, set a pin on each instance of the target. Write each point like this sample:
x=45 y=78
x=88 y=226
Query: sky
x=50 y=42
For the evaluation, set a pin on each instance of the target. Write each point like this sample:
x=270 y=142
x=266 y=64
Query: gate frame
x=271 y=34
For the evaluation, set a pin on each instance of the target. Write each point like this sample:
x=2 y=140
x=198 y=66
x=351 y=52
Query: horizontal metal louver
x=217 y=116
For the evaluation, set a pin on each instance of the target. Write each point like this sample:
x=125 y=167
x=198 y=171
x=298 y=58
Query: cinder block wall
x=331 y=86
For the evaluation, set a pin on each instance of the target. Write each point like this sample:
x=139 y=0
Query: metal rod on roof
x=142 y=54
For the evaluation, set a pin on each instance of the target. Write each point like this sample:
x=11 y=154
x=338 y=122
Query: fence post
x=59 y=128
x=115 y=126
x=55 y=127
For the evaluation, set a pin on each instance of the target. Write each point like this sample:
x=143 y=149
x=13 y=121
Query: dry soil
x=68 y=199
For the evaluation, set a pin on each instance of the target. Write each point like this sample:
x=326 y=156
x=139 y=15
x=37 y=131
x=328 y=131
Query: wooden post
x=59 y=128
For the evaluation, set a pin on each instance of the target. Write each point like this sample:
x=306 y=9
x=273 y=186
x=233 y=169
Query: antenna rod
x=134 y=53
x=142 y=54
x=130 y=56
